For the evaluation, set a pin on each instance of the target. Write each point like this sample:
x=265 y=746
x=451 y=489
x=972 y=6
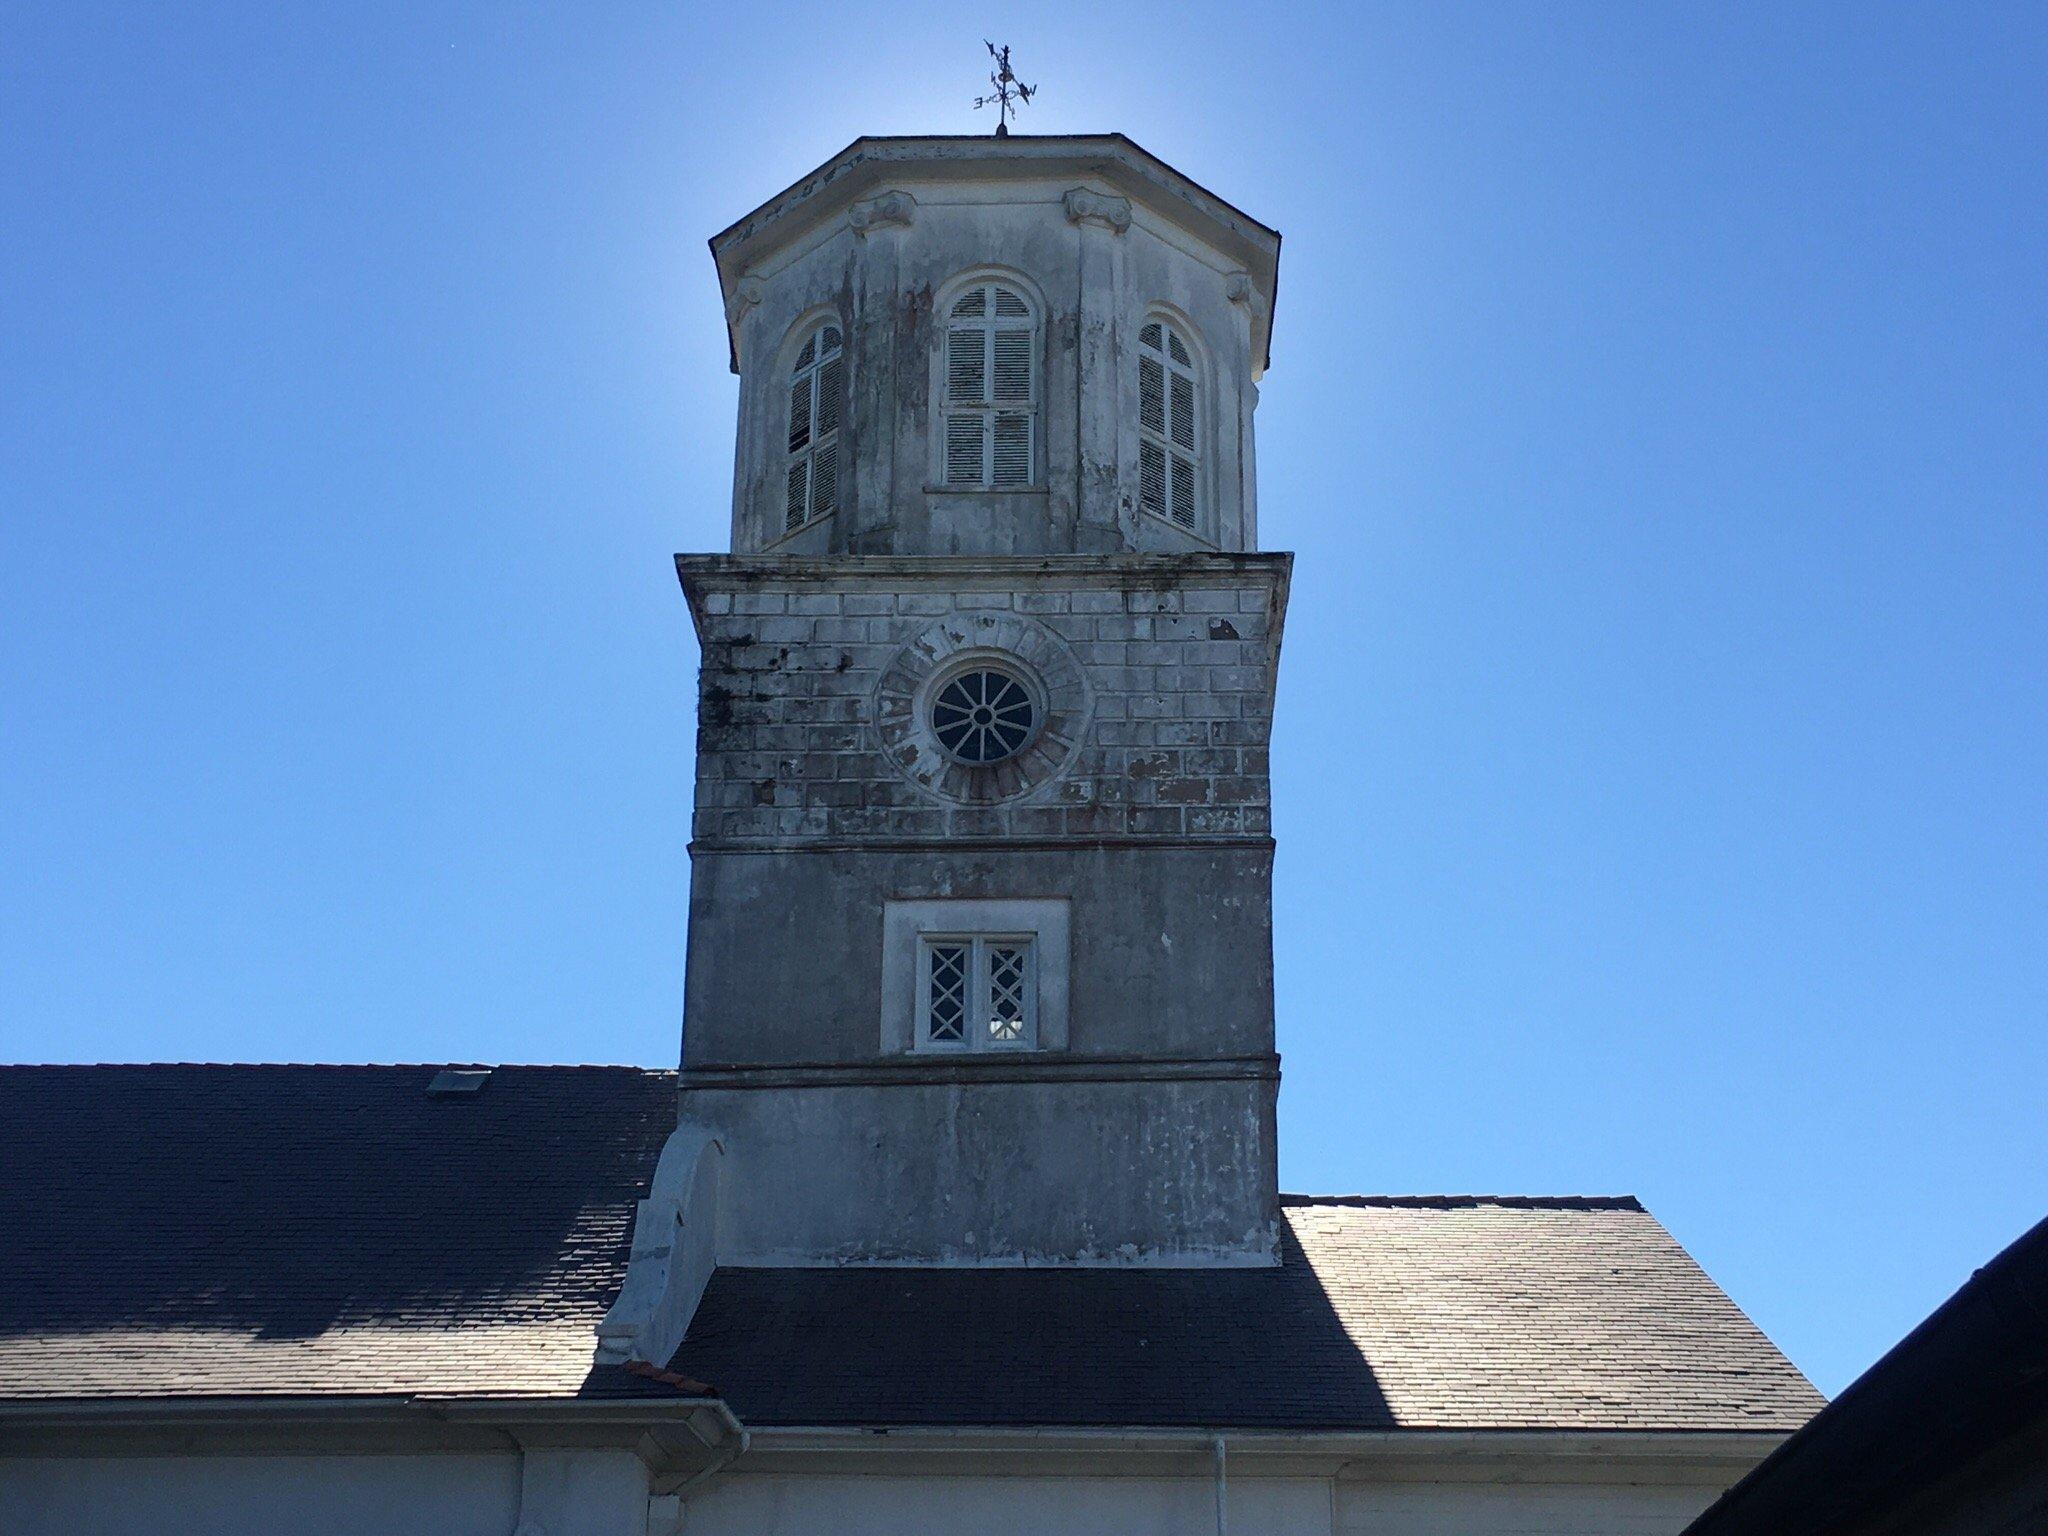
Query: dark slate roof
x=1949 y=1425
x=197 y=1230
x=1455 y=1312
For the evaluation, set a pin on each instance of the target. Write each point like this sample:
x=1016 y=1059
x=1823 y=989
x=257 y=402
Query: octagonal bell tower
x=980 y=959
x=966 y=319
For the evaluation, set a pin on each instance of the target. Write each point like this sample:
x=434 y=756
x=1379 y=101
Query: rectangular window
x=974 y=974
x=977 y=992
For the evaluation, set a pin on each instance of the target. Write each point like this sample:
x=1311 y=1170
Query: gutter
x=1648 y=1454
x=677 y=1438
x=185 y=1412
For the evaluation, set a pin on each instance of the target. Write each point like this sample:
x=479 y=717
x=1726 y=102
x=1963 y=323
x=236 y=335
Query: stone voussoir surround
x=1158 y=670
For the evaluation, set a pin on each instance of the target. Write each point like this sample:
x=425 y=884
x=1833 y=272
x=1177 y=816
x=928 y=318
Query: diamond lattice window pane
x=947 y=1005
x=1006 y=992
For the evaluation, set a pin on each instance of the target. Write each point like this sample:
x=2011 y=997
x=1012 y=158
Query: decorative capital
x=1237 y=287
x=880 y=212
x=1085 y=207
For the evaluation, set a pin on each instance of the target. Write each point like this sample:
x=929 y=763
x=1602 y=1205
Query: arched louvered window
x=1169 y=433
x=989 y=394
x=816 y=386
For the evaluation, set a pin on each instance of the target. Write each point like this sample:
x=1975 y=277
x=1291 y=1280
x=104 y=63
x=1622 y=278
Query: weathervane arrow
x=1009 y=92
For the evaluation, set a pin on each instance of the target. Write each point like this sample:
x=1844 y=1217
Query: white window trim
x=816 y=444
x=980 y=947
x=907 y=928
x=1032 y=410
x=1195 y=455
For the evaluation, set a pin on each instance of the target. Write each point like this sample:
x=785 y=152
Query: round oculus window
x=983 y=715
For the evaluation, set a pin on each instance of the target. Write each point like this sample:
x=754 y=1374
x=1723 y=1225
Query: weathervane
x=1006 y=86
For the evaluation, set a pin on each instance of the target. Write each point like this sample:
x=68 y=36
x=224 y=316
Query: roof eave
x=674 y=1436
x=865 y=164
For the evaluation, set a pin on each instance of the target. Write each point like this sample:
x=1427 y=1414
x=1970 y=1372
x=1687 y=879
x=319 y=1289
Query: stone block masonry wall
x=1160 y=676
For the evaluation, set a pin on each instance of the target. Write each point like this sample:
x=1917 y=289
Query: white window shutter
x=1012 y=366
x=816 y=390
x=1183 y=413
x=966 y=365
x=1151 y=396
x=1013 y=450
x=800 y=414
x=1152 y=477
x=963 y=448
x=1168 y=425
x=825 y=480
x=831 y=381
x=989 y=392
x=794 y=505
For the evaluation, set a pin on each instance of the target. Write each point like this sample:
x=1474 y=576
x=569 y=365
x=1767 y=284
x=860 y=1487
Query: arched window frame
x=991 y=385
x=813 y=471
x=1172 y=426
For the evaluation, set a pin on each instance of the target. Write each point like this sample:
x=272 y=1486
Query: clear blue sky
x=1659 y=412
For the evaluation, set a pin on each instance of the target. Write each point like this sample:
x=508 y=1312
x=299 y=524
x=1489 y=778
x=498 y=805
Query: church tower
x=980 y=951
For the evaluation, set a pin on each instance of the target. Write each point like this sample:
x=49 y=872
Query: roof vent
x=457 y=1082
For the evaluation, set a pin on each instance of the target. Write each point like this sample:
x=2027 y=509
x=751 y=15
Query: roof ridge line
x=335 y=1066
x=1446 y=1202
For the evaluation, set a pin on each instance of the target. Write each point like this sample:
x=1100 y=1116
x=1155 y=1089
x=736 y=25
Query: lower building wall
x=606 y=1493
x=800 y=1505
x=444 y=1494
x=1520 y=1509
x=949 y=1173
x=777 y=1505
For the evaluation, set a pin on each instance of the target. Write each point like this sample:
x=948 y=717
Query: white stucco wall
x=803 y=1505
x=1519 y=1509
x=591 y=1493
x=606 y=1493
x=1095 y=267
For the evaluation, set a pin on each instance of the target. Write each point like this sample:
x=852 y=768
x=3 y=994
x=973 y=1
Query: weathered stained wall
x=802 y=728
x=1170 y=958
x=1096 y=265
x=1142 y=1128
x=972 y=1161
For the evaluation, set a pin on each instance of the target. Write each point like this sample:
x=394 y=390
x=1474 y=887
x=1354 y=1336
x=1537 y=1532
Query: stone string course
x=1175 y=746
